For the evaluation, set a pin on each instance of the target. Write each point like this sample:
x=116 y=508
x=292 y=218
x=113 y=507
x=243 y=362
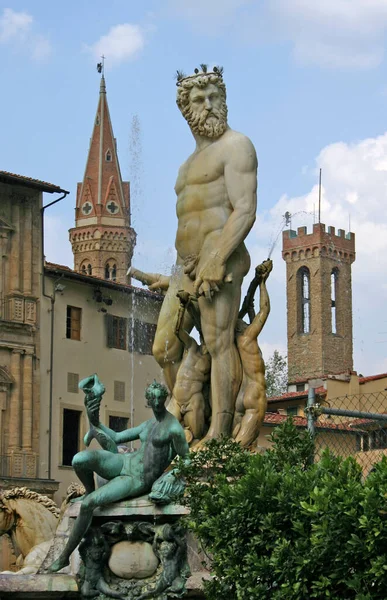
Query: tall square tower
x=319 y=301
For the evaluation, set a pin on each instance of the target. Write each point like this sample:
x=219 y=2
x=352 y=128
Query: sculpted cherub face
x=202 y=101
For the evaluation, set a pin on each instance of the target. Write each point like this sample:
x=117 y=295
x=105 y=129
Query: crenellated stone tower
x=102 y=239
x=319 y=301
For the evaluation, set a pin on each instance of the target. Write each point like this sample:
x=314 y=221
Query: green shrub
x=278 y=526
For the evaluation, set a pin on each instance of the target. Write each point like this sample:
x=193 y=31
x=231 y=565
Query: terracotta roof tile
x=93 y=279
x=6 y=176
x=372 y=378
x=321 y=391
x=277 y=419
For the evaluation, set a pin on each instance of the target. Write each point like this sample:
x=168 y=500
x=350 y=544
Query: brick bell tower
x=319 y=301
x=102 y=239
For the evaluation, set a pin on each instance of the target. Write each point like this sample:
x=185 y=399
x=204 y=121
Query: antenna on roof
x=319 y=199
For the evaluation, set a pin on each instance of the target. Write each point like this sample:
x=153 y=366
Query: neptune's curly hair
x=156 y=390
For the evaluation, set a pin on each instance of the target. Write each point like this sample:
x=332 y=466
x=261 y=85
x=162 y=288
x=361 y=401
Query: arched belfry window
x=334 y=284
x=108 y=156
x=111 y=270
x=86 y=268
x=304 y=299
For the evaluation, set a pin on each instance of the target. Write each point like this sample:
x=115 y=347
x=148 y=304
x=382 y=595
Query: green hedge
x=278 y=526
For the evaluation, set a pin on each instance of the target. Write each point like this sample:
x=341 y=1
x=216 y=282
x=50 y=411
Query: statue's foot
x=211 y=435
x=201 y=443
x=58 y=564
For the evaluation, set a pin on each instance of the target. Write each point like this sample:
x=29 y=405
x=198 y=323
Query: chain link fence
x=352 y=425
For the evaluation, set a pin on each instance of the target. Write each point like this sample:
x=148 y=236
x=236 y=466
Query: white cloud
x=17 y=30
x=334 y=33
x=344 y=34
x=122 y=42
x=14 y=25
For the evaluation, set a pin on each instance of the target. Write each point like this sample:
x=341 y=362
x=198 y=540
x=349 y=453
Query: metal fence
x=352 y=425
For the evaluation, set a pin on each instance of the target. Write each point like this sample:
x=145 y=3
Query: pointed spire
x=102 y=169
x=102 y=197
x=102 y=87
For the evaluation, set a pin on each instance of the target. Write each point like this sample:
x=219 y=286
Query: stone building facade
x=102 y=239
x=319 y=302
x=20 y=343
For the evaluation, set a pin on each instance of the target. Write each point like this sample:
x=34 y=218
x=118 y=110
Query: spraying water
x=286 y=221
x=136 y=194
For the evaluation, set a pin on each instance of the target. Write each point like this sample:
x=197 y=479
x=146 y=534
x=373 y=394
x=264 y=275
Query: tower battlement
x=300 y=244
x=319 y=300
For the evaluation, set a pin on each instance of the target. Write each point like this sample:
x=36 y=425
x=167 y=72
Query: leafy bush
x=278 y=526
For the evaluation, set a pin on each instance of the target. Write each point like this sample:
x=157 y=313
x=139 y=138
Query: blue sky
x=306 y=81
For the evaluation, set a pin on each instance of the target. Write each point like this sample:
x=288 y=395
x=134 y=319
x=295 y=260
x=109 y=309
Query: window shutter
x=141 y=336
x=72 y=383
x=151 y=332
x=109 y=331
x=131 y=334
x=119 y=391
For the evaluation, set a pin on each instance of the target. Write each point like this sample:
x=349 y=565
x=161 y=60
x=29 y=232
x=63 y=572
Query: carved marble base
x=133 y=550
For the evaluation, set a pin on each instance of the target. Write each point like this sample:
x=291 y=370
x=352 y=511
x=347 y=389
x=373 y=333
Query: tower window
x=87 y=208
x=304 y=299
x=86 y=269
x=334 y=280
x=108 y=156
x=111 y=271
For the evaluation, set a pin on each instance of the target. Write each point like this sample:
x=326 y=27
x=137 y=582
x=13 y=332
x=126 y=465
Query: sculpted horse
x=30 y=520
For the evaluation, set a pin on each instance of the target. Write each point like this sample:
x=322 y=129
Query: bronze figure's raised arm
x=129 y=475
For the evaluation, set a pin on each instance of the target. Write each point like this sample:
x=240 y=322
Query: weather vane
x=101 y=66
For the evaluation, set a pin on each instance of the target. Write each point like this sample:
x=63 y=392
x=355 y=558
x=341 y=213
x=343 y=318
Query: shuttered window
x=72 y=383
x=116 y=332
x=73 y=323
x=141 y=336
x=119 y=391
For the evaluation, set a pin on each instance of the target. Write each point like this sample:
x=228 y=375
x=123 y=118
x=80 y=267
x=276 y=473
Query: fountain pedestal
x=131 y=549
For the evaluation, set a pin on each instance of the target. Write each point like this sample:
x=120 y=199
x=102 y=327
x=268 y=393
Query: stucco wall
x=85 y=357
